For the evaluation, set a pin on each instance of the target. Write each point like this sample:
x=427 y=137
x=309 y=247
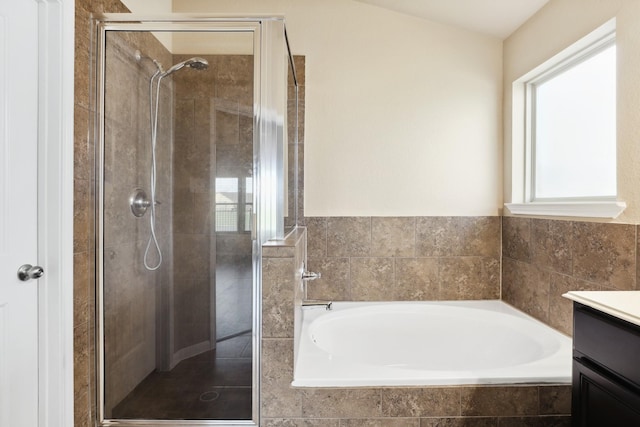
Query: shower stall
x=194 y=174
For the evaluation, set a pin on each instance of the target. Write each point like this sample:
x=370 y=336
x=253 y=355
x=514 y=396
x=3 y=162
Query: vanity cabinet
x=606 y=370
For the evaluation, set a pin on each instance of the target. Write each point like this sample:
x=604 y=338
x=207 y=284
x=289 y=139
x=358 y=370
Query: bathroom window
x=573 y=129
x=234 y=204
x=569 y=129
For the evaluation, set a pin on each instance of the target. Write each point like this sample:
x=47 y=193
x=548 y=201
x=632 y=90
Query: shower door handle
x=254 y=226
x=27 y=272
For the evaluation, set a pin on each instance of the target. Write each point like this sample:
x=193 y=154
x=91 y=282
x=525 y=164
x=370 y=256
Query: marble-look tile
x=316 y=237
x=500 y=401
x=81 y=215
x=561 y=309
x=83 y=159
x=548 y=421
x=348 y=236
x=278 y=398
x=183 y=215
x=82 y=410
x=416 y=279
x=555 y=400
x=280 y=402
x=231 y=244
x=381 y=422
x=184 y=110
x=458 y=236
x=301 y=113
x=459 y=422
x=191 y=255
x=227 y=127
x=202 y=213
x=605 y=254
x=420 y=402
x=279 y=422
x=82 y=284
x=246 y=129
x=276 y=250
x=393 y=236
x=427 y=231
x=372 y=279
x=470 y=236
x=119 y=223
x=334 y=281
x=341 y=403
x=82 y=59
x=552 y=243
x=234 y=71
x=277 y=297
x=81 y=362
x=469 y=278
x=299 y=62
x=277 y=362
x=516 y=238
x=526 y=287
x=120 y=84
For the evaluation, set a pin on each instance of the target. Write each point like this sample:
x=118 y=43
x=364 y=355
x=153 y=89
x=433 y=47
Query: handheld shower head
x=196 y=63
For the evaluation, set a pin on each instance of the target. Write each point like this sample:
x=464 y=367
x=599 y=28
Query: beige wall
x=553 y=28
x=403 y=114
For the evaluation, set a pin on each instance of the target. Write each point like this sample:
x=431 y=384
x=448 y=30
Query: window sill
x=575 y=209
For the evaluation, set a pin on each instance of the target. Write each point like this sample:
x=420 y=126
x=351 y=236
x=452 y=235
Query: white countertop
x=624 y=305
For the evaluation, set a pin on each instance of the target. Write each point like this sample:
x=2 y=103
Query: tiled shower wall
x=130 y=290
x=213 y=138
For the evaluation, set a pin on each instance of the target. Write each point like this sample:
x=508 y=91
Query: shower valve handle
x=139 y=202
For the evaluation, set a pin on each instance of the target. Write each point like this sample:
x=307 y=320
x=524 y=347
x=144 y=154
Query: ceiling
x=498 y=18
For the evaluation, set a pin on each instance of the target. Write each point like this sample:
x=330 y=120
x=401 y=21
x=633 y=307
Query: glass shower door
x=176 y=242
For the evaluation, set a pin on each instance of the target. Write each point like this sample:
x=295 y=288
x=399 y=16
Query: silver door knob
x=28 y=272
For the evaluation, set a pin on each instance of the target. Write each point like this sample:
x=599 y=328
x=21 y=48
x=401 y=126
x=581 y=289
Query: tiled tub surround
x=404 y=258
x=542 y=259
x=283 y=405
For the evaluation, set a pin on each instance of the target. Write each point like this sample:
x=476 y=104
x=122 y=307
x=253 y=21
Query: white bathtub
x=426 y=343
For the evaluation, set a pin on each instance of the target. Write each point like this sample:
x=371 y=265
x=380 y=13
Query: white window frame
x=522 y=145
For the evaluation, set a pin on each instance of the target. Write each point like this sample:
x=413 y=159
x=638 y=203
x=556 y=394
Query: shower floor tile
x=213 y=385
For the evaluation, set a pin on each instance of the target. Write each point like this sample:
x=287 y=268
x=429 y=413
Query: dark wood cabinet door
x=600 y=401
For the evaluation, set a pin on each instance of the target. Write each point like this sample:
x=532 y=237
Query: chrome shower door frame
x=269 y=163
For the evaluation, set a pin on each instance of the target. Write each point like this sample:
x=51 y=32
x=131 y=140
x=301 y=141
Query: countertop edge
x=581 y=298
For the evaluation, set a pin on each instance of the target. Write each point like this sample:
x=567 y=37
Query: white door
x=18 y=212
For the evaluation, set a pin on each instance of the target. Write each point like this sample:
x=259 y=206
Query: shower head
x=196 y=63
